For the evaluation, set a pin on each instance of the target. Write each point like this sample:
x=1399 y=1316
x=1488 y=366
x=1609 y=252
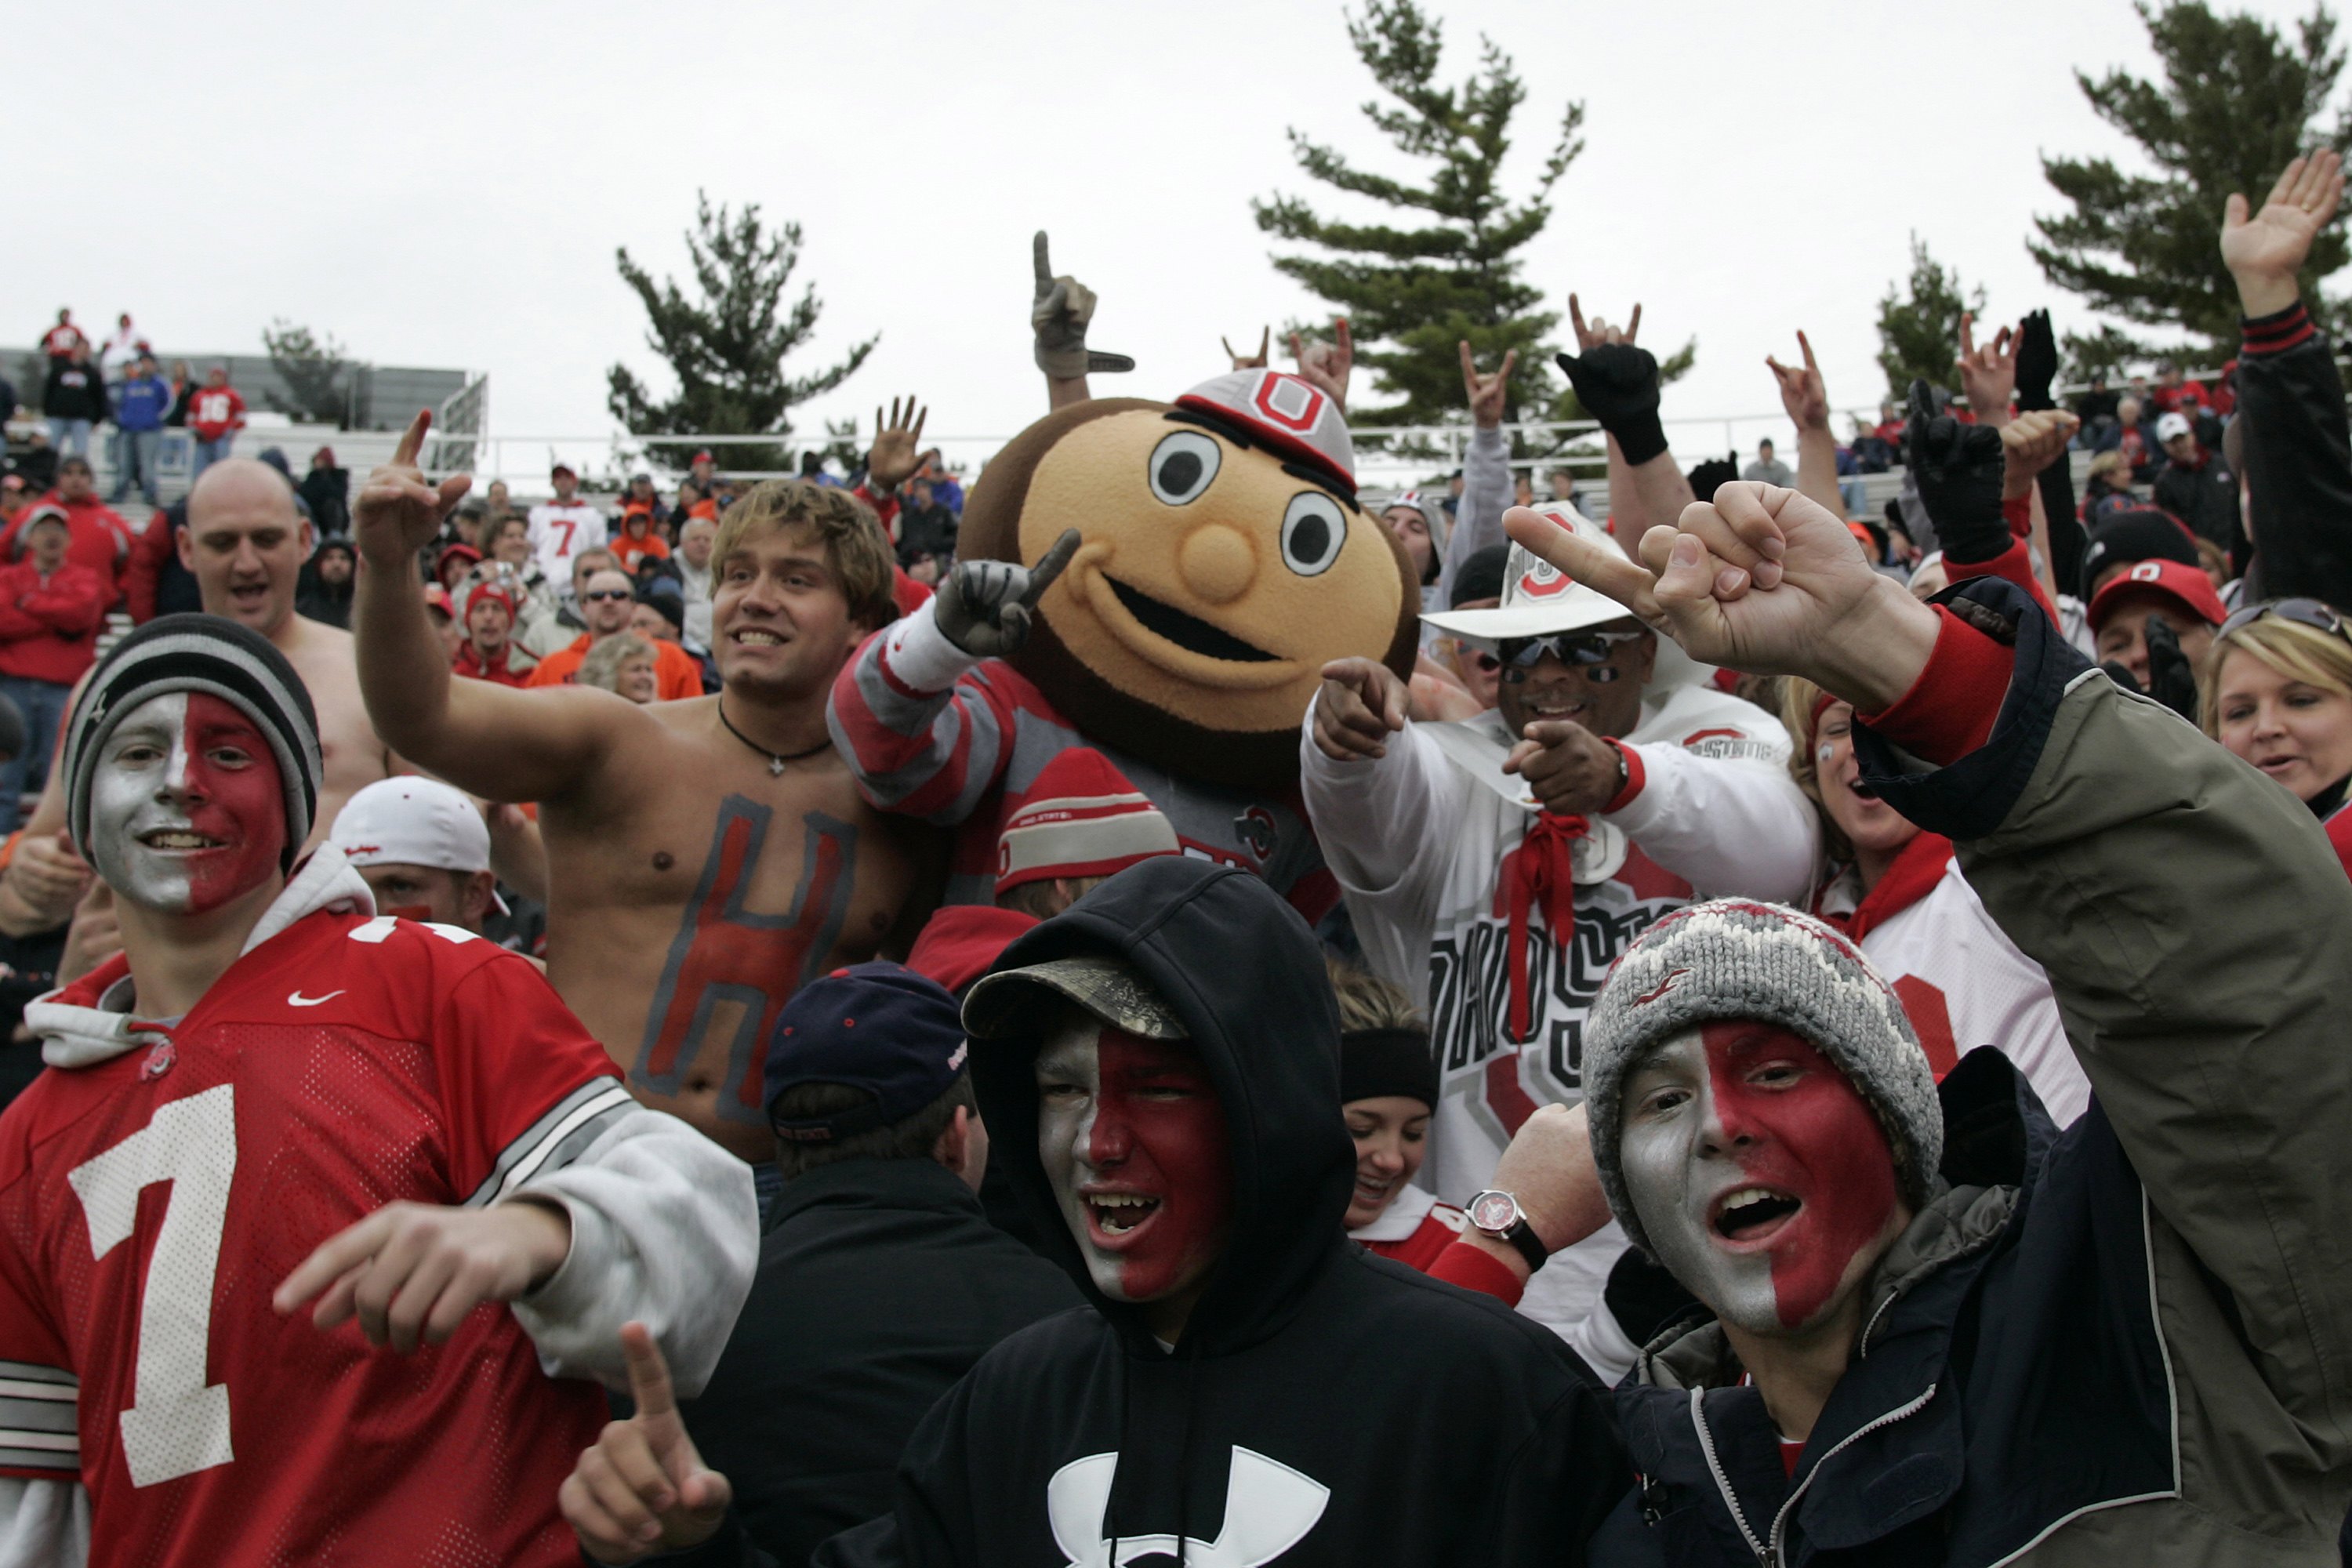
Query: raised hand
x=1058 y=314
x=1801 y=391
x=1327 y=366
x=1487 y=393
x=410 y=1272
x=1960 y=472
x=2030 y=443
x=1618 y=384
x=1600 y=331
x=1988 y=372
x=2264 y=252
x=1256 y=361
x=1362 y=703
x=397 y=512
x=2037 y=362
x=643 y=1488
x=1760 y=579
x=985 y=607
x=895 y=452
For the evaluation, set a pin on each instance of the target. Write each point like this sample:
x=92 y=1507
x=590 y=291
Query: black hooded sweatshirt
x=1323 y=1406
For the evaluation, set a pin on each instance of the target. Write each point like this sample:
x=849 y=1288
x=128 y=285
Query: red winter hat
x=490 y=590
x=2187 y=587
x=1083 y=818
x=1295 y=417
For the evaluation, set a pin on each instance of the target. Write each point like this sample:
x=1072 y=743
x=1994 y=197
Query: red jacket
x=214 y=411
x=48 y=631
x=468 y=663
x=143 y=572
x=101 y=541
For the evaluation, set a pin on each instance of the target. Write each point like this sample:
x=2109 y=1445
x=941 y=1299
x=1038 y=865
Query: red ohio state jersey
x=150 y=1203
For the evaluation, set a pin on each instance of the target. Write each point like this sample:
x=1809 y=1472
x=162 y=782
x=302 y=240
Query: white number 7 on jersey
x=177 y=1424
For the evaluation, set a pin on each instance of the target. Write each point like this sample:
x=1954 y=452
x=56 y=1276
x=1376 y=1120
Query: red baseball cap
x=562 y=468
x=2187 y=587
x=703 y=456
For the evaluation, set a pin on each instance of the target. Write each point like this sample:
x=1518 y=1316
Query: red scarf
x=1539 y=874
x=1911 y=877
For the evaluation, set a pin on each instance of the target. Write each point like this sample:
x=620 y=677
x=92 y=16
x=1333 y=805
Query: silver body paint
x=1065 y=1135
x=127 y=801
x=1676 y=1164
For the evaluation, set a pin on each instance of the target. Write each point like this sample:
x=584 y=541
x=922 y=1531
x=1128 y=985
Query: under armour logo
x=1269 y=1508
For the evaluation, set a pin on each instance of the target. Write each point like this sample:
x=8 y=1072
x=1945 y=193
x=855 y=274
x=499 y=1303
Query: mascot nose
x=1217 y=563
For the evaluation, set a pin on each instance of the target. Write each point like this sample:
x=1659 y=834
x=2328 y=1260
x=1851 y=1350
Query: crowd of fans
x=1767 y=1031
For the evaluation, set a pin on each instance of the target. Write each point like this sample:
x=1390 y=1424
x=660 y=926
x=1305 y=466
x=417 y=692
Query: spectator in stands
x=327 y=489
x=1872 y=453
x=2136 y=441
x=323 y=591
x=2195 y=485
x=946 y=489
x=101 y=539
x=15 y=498
x=36 y=465
x=74 y=401
x=2276 y=689
x=50 y=612
x=2179 y=598
x=423 y=849
x=641 y=493
x=812 y=470
x=499 y=501
x=694 y=541
x=453 y=564
x=488 y=652
x=2107 y=489
x=566 y=527
x=442 y=611
x=60 y=341
x=214 y=414
x=140 y=403
x=538 y=611
x=607 y=600
x=584 y=565
x=1768 y=468
x=703 y=471
x=624 y=664
x=1523 y=488
x=637 y=542
x=876 y=1243
x=925 y=527
x=183 y=393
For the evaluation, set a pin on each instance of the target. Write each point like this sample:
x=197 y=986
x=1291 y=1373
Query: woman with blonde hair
x=622 y=663
x=1897 y=894
x=2276 y=689
x=1388 y=1089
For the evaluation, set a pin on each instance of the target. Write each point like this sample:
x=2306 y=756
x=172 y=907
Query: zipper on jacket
x=1780 y=1520
x=1722 y=1481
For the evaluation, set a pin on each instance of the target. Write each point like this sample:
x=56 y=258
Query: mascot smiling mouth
x=1188 y=632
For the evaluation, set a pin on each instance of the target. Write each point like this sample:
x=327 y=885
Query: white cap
x=2171 y=424
x=410 y=820
x=1293 y=417
x=1539 y=600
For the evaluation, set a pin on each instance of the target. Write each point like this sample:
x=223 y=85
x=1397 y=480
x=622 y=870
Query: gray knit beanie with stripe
x=198 y=653
x=1737 y=958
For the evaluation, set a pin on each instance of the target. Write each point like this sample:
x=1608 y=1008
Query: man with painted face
x=1159 y=1067
x=1495 y=868
x=367 y=1133
x=1943 y=1331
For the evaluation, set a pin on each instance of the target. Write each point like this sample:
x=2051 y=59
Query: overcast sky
x=446 y=184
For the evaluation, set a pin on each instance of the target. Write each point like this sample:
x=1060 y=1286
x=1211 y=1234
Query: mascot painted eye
x=1183 y=467
x=1313 y=530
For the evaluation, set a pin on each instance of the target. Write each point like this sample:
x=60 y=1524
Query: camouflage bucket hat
x=1020 y=1001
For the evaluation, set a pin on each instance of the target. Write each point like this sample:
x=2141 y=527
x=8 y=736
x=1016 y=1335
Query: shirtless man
x=702 y=861
x=246 y=543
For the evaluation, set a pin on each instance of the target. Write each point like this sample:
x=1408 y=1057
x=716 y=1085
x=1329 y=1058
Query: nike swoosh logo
x=295 y=999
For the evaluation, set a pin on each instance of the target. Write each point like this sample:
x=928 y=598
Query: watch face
x=1494 y=1211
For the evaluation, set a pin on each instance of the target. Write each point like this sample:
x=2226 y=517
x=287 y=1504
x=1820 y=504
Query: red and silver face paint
x=1133 y=1139
x=187 y=806
x=1759 y=1173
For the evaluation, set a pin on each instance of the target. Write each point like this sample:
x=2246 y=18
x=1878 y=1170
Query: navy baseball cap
x=879 y=1028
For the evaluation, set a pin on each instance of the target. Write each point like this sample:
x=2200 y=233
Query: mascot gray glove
x=983 y=606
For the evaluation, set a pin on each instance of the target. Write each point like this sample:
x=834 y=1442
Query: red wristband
x=1635 y=776
x=1474 y=1269
x=2019 y=514
x=1950 y=709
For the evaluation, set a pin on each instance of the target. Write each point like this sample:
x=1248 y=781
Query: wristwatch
x=1498 y=1214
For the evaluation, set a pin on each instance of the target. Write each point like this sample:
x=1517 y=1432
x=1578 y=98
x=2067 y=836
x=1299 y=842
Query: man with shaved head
x=245 y=543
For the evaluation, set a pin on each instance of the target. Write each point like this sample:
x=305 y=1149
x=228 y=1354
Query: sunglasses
x=597 y=593
x=1568 y=648
x=2309 y=613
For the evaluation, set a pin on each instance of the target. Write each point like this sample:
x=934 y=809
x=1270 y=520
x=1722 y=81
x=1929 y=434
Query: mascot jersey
x=1428 y=843
x=1222 y=561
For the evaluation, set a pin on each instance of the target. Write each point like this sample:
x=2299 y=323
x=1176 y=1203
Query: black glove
x=1618 y=384
x=1958 y=469
x=2171 y=678
x=2037 y=362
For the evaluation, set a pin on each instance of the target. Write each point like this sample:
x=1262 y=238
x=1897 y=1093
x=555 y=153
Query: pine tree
x=1919 y=337
x=2236 y=103
x=317 y=373
x=1411 y=293
x=727 y=346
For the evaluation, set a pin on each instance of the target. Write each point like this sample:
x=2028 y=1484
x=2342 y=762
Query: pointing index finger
x=649 y=1384
x=1041 y=260
x=1049 y=566
x=412 y=441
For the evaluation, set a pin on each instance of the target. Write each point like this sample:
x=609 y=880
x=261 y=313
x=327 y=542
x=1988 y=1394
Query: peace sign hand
x=397 y=512
x=985 y=607
x=642 y=1488
x=1059 y=313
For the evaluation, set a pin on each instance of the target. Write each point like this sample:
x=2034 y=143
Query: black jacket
x=1323 y=1406
x=328 y=492
x=2298 y=461
x=2206 y=499
x=317 y=599
x=880 y=1284
x=74 y=392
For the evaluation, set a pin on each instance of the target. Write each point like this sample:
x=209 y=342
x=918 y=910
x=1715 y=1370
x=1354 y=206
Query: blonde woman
x=1388 y=1088
x=622 y=663
x=2277 y=691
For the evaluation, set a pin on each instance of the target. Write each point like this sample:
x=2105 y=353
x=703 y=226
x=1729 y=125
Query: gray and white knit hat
x=1737 y=958
x=198 y=653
